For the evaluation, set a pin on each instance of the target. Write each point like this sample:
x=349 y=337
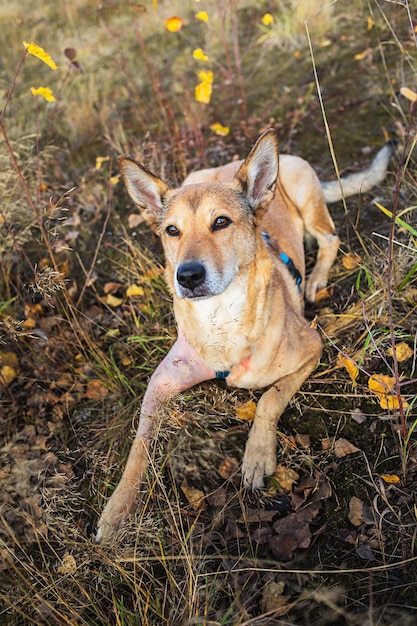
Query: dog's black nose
x=191 y=275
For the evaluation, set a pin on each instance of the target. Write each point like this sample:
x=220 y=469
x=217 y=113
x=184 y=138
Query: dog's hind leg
x=319 y=224
x=180 y=370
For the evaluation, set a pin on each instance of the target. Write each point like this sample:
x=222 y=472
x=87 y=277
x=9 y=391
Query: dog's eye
x=221 y=222
x=172 y=231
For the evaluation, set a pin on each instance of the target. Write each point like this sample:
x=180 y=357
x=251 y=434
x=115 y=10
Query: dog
x=233 y=243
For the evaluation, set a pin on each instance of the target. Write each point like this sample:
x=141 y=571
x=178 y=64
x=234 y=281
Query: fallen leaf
x=96 y=390
x=218 y=497
x=349 y=365
x=228 y=466
x=284 y=478
x=402 y=352
x=111 y=287
x=273 y=599
x=219 y=129
x=343 y=447
x=355 y=511
x=68 y=564
x=113 y=301
x=358 y=416
x=351 y=261
x=7 y=374
x=390 y=479
x=246 y=412
x=408 y=93
x=194 y=496
x=363 y=55
x=134 y=290
x=384 y=387
x=392 y=403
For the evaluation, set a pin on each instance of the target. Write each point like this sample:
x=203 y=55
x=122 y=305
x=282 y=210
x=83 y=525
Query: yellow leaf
x=267 y=19
x=203 y=93
x=40 y=53
x=206 y=76
x=45 y=92
x=113 y=301
x=285 y=477
x=402 y=352
x=194 y=496
x=217 y=128
x=362 y=55
x=246 y=412
x=351 y=261
x=384 y=387
x=350 y=366
x=203 y=16
x=392 y=403
x=100 y=160
x=370 y=23
x=134 y=290
x=115 y=179
x=381 y=384
x=408 y=93
x=173 y=24
x=7 y=374
x=199 y=55
x=390 y=479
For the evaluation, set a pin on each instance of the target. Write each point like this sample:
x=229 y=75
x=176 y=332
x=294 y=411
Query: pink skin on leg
x=181 y=369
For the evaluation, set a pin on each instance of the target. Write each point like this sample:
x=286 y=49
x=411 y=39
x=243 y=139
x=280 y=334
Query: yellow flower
x=267 y=19
x=219 y=129
x=37 y=51
x=199 y=55
x=203 y=16
x=45 y=92
x=173 y=24
x=203 y=92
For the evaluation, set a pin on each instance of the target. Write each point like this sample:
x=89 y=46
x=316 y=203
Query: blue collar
x=288 y=262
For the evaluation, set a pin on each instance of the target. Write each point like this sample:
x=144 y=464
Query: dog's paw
x=115 y=514
x=315 y=283
x=259 y=460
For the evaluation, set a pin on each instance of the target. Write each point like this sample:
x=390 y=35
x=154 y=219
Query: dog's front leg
x=181 y=369
x=260 y=459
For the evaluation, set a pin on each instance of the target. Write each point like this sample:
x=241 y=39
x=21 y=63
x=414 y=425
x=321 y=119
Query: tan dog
x=233 y=242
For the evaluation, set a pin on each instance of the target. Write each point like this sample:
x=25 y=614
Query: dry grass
x=76 y=350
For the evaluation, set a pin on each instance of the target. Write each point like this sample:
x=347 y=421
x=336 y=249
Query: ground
x=86 y=317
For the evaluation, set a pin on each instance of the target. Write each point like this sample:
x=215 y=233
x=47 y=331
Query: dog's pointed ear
x=145 y=189
x=257 y=176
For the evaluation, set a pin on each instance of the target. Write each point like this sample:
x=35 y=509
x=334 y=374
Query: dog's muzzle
x=191 y=277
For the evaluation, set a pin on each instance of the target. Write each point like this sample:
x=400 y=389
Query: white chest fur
x=215 y=328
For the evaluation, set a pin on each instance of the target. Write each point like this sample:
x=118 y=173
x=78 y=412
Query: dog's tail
x=360 y=182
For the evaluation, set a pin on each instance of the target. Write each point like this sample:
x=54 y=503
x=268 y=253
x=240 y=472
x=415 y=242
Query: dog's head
x=208 y=230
